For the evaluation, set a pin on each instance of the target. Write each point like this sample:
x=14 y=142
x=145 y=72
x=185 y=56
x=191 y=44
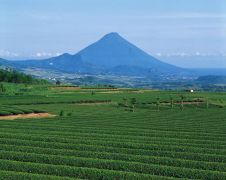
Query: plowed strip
x=25 y=116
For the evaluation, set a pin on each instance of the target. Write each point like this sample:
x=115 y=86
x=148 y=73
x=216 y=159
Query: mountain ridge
x=111 y=52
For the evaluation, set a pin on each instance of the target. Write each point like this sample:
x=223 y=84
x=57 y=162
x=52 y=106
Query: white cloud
x=158 y=54
x=177 y=54
x=196 y=54
x=201 y=54
x=223 y=53
x=182 y=54
x=46 y=54
x=7 y=54
x=58 y=54
x=1 y=52
x=41 y=54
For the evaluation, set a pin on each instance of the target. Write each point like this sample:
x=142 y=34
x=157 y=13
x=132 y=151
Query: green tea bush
x=14 y=111
x=71 y=113
x=26 y=111
x=5 y=113
x=63 y=112
x=25 y=175
x=37 y=111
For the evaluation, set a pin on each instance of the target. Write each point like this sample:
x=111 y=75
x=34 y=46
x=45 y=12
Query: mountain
x=113 y=54
x=131 y=71
x=113 y=50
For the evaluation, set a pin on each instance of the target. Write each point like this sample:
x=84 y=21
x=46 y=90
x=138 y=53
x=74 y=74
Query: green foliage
x=2 y=88
x=133 y=100
x=93 y=93
x=13 y=111
x=37 y=110
x=71 y=113
x=125 y=99
x=26 y=111
x=25 y=175
x=5 y=113
x=16 y=77
x=103 y=142
x=63 y=112
x=58 y=82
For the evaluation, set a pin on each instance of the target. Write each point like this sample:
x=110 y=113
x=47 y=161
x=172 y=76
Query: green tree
x=197 y=104
x=71 y=113
x=125 y=99
x=6 y=68
x=58 y=82
x=172 y=103
x=133 y=101
x=63 y=112
x=207 y=103
x=158 y=104
x=14 y=71
x=126 y=108
x=2 y=88
x=182 y=101
x=221 y=101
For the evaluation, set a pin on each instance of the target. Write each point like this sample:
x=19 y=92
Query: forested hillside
x=12 y=76
x=212 y=79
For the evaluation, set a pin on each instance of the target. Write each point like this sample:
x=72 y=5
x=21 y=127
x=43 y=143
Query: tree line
x=12 y=76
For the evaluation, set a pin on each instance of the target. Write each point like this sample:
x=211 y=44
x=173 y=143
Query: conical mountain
x=113 y=50
x=113 y=54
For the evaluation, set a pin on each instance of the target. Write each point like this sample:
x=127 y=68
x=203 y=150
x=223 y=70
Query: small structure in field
x=189 y=90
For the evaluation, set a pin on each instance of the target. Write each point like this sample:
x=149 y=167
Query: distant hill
x=112 y=53
x=63 y=62
x=212 y=79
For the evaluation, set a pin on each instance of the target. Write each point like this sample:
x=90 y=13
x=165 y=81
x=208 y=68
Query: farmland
x=104 y=141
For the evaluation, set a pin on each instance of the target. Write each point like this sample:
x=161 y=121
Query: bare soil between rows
x=26 y=116
x=65 y=88
x=92 y=103
x=180 y=103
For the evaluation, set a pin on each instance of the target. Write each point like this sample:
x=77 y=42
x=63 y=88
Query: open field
x=102 y=141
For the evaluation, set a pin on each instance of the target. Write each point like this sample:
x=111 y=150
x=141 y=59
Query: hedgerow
x=5 y=113
x=14 y=111
x=74 y=172
x=24 y=175
x=214 y=166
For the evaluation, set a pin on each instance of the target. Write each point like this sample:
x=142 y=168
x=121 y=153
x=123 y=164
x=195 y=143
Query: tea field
x=102 y=141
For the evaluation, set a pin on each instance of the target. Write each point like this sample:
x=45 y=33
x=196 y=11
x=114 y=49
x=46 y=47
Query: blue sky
x=186 y=33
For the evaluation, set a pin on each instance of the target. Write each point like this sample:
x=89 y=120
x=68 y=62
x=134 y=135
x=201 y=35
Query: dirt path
x=25 y=116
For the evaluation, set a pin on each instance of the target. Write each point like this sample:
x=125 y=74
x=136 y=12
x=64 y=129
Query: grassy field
x=102 y=141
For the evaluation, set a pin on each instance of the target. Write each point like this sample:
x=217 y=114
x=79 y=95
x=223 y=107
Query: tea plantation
x=105 y=139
